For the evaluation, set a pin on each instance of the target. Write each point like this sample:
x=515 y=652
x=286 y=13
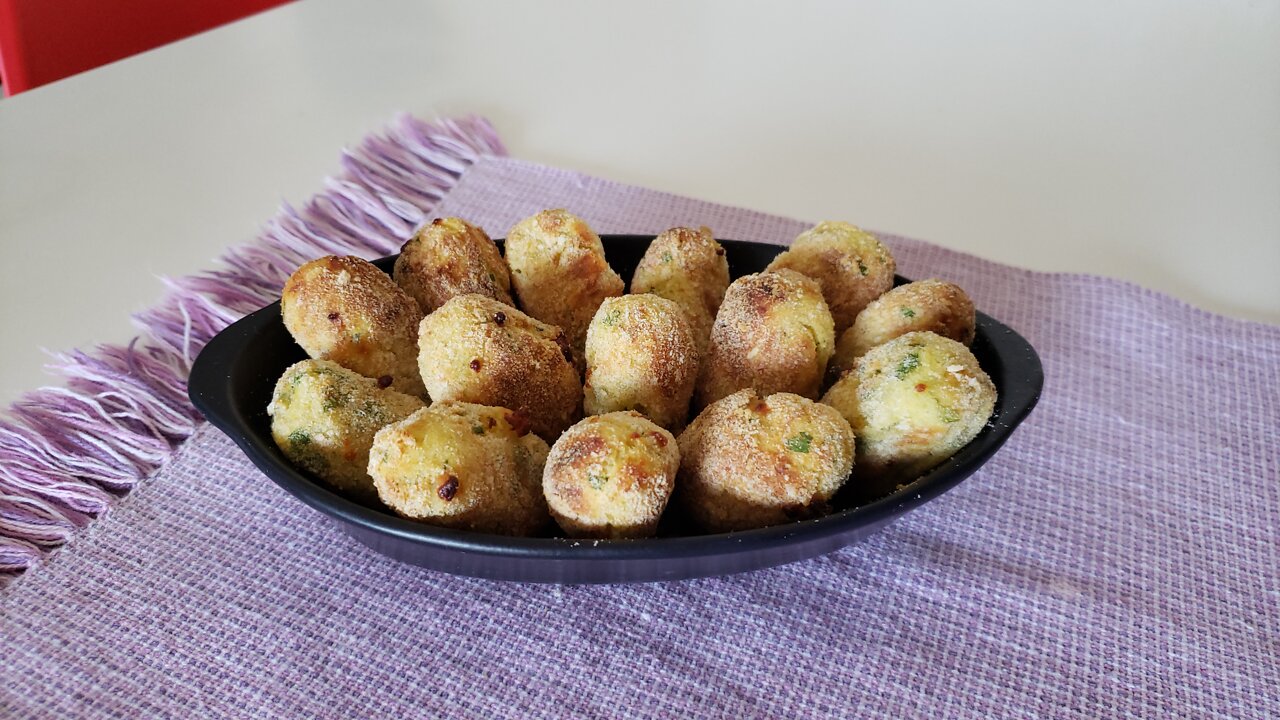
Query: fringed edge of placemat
x=68 y=453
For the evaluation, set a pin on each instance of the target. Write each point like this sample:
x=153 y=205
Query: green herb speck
x=597 y=481
x=863 y=269
x=908 y=312
x=799 y=442
x=909 y=363
x=612 y=317
x=477 y=429
x=666 y=257
x=299 y=438
x=334 y=398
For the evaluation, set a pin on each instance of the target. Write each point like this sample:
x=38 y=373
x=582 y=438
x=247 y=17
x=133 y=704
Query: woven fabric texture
x=1118 y=558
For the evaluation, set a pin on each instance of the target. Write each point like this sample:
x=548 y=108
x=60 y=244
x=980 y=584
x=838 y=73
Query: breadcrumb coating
x=448 y=257
x=912 y=402
x=852 y=266
x=773 y=333
x=641 y=356
x=689 y=268
x=750 y=461
x=560 y=274
x=475 y=349
x=932 y=305
x=346 y=310
x=462 y=465
x=324 y=416
x=610 y=476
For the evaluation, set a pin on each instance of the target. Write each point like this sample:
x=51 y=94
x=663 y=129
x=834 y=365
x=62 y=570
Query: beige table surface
x=1136 y=139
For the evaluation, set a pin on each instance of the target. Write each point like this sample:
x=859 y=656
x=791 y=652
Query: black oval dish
x=233 y=378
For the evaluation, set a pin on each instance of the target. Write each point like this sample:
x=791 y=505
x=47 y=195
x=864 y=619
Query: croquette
x=448 y=257
x=689 y=268
x=912 y=402
x=610 y=476
x=324 y=416
x=933 y=305
x=852 y=266
x=560 y=274
x=478 y=350
x=465 y=466
x=641 y=356
x=751 y=460
x=346 y=310
x=773 y=333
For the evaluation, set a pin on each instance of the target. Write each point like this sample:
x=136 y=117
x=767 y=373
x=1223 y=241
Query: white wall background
x=1138 y=139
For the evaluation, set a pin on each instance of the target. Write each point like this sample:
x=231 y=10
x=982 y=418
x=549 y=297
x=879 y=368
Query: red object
x=46 y=40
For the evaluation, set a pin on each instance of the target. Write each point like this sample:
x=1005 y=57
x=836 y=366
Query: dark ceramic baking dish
x=232 y=381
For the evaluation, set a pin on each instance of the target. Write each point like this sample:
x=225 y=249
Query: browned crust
x=688 y=267
x=657 y=338
x=522 y=362
x=559 y=273
x=852 y=266
x=641 y=460
x=346 y=310
x=448 y=257
x=491 y=481
x=760 y=343
x=737 y=471
x=933 y=305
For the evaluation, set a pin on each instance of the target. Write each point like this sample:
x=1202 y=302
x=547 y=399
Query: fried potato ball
x=852 y=266
x=346 y=310
x=475 y=349
x=689 y=268
x=933 y=305
x=465 y=466
x=913 y=402
x=324 y=416
x=450 y=256
x=773 y=333
x=610 y=476
x=750 y=461
x=560 y=273
x=641 y=356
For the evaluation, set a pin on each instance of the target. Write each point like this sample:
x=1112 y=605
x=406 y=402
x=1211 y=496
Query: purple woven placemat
x=1117 y=559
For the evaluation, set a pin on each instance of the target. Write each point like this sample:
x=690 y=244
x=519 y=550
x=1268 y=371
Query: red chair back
x=46 y=40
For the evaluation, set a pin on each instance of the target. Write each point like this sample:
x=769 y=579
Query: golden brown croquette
x=346 y=310
x=560 y=273
x=466 y=466
x=750 y=461
x=689 y=268
x=641 y=356
x=852 y=266
x=933 y=305
x=448 y=257
x=610 y=476
x=773 y=333
x=475 y=349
